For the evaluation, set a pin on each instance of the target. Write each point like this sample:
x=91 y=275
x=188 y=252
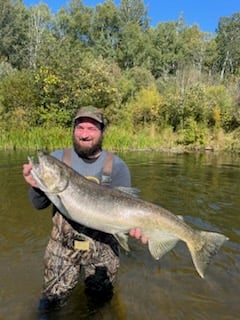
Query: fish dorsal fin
x=161 y=243
x=135 y=192
x=122 y=238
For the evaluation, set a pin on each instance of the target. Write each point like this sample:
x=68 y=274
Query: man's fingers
x=137 y=233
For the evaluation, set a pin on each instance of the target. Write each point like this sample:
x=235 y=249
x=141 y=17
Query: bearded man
x=74 y=250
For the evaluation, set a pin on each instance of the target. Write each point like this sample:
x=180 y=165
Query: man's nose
x=85 y=133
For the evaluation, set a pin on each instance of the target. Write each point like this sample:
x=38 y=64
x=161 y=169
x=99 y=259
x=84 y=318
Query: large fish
x=116 y=212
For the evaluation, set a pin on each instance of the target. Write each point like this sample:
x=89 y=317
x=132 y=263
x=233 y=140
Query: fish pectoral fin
x=122 y=238
x=161 y=243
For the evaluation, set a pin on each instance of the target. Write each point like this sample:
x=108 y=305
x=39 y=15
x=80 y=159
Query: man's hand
x=137 y=233
x=27 y=175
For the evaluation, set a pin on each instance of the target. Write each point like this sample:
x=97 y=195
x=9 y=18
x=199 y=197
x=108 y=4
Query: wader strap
x=107 y=166
x=67 y=156
x=107 y=169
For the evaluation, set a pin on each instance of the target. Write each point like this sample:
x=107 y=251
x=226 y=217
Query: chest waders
x=75 y=250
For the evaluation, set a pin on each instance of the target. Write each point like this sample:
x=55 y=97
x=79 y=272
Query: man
x=73 y=248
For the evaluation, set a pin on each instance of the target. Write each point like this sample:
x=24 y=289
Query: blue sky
x=204 y=13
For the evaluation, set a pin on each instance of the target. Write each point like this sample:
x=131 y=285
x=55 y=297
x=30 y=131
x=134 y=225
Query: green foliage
x=145 y=107
x=14 y=32
x=140 y=77
x=180 y=107
x=193 y=133
x=35 y=138
x=190 y=47
x=228 y=44
x=17 y=100
x=131 y=81
x=105 y=29
x=117 y=138
x=52 y=104
x=163 y=53
x=133 y=45
x=172 y=79
x=220 y=106
x=5 y=69
x=145 y=139
x=39 y=34
x=53 y=116
x=96 y=83
x=62 y=91
x=134 y=11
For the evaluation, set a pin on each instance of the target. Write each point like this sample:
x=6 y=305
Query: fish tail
x=205 y=249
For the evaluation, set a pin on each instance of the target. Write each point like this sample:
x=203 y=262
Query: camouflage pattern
x=64 y=264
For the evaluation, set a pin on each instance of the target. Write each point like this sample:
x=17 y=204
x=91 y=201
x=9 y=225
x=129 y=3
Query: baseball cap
x=92 y=113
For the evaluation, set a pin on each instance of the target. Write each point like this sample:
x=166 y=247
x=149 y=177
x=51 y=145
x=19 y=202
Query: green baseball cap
x=92 y=113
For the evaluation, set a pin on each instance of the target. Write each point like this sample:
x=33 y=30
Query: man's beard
x=87 y=152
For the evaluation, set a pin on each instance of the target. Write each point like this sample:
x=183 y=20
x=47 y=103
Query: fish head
x=50 y=174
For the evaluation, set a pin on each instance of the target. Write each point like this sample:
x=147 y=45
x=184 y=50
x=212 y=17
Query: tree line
x=169 y=76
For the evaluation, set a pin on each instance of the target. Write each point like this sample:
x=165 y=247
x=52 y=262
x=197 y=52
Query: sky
x=204 y=13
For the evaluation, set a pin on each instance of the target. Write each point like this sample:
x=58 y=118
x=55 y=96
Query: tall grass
x=148 y=138
x=36 y=138
x=117 y=138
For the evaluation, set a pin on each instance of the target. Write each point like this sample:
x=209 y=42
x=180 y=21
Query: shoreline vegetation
x=122 y=140
x=171 y=87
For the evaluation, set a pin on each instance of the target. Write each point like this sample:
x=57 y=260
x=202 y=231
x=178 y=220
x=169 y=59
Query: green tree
x=5 y=69
x=17 y=100
x=133 y=47
x=140 y=78
x=76 y=22
x=181 y=108
x=14 y=32
x=39 y=31
x=220 y=107
x=105 y=29
x=164 y=48
x=191 y=47
x=134 y=42
x=145 y=108
x=211 y=56
x=68 y=83
x=134 y=12
x=228 y=42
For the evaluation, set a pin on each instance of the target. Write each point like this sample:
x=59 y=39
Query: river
x=203 y=188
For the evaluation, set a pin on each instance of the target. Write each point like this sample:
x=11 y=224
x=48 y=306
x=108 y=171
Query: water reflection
x=204 y=188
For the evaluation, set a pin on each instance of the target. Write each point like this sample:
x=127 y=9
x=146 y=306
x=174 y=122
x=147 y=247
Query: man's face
x=87 y=137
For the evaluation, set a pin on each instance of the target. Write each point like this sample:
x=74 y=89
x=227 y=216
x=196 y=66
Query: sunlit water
x=203 y=188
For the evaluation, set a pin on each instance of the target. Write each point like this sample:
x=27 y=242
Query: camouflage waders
x=65 y=261
x=73 y=251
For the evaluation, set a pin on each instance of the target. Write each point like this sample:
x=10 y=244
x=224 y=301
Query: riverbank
x=122 y=140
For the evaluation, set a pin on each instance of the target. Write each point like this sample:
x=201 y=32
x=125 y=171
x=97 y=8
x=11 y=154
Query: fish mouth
x=36 y=168
x=36 y=173
x=32 y=161
x=40 y=155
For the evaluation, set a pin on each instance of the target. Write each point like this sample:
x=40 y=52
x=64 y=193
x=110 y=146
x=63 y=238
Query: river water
x=203 y=188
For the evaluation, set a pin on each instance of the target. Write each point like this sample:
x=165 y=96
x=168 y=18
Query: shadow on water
x=203 y=188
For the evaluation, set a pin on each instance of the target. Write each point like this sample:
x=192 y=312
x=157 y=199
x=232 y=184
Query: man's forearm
x=38 y=198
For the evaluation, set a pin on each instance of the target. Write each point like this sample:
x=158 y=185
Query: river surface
x=203 y=188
